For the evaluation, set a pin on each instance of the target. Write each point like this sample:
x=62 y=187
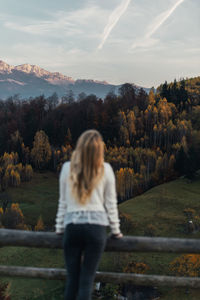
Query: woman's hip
x=85 y=233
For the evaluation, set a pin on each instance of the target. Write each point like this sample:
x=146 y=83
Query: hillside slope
x=163 y=205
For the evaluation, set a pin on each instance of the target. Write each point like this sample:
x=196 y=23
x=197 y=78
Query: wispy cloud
x=113 y=19
x=60 y=23
x=36 y=29
x=148 y=41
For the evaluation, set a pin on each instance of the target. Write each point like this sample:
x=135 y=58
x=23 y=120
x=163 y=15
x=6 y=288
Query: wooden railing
x=125 y=244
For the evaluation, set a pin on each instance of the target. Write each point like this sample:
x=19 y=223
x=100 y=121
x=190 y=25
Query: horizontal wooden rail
x=126 y=244
x=124 y=278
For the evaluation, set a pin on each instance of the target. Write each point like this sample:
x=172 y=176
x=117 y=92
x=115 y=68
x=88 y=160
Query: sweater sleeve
x=62 y=205
x=110 y=203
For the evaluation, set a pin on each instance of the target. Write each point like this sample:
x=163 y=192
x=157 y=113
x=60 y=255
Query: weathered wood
x=32 y=272
x=13 y=237
x=125 y=278
x=126 y=244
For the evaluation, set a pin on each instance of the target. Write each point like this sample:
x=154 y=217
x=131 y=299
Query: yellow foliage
x=15 y=207
x=41 y=152
x=40 y=224
x=27 y=172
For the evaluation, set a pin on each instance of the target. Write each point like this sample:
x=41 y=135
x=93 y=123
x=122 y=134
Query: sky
x=139 y=41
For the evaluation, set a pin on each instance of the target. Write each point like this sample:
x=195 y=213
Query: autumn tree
x=125 y=182
x=13 y=218
x=40 y=224
x=11 y=177
x=151 y=98
x=27 y=173
x=41 y=151
x=131 y=125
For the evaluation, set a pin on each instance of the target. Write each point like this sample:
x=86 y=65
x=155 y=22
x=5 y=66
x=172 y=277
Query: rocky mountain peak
x=5 y=68
x=30 y=80
x=32 y=69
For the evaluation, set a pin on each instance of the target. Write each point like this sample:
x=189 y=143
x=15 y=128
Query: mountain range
x=31 y=80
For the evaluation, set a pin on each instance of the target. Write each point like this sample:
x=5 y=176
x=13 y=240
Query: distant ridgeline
x=149 y=138
x=30 y=81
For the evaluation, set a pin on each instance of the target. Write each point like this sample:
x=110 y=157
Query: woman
x=87 y=204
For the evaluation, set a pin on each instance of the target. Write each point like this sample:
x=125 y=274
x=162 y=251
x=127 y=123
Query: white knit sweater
x=103 y=198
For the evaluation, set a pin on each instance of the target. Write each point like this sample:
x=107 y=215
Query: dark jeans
x=83 y=246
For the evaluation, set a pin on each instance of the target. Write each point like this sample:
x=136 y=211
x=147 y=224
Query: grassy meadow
x=162 y=206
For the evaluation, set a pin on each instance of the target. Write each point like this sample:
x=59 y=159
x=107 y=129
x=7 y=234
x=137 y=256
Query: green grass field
x=38 y=197
x=161 y=206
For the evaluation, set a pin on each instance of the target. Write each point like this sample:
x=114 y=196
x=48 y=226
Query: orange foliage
x=186 y=265
x=136 y=267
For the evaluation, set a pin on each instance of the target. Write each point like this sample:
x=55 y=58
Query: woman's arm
x=110 y=203
x=59 y=226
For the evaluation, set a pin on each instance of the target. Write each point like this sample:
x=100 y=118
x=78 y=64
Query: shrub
x=186 y=265
x=40 y=225
x=109 y=291
x=136 y=267
x=13 y=218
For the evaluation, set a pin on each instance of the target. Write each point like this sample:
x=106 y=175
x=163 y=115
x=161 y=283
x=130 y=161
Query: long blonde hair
x=86 y=168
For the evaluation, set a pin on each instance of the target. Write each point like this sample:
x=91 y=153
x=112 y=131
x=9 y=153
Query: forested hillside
x=188 y=89
x=149 y=139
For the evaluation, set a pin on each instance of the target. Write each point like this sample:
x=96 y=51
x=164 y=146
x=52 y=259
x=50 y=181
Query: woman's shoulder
x=65 y=166
x=107 y=167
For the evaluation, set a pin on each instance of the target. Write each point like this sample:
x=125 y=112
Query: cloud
x=37 y=29
x=71 y=23
x=147 y=41
x=113 y=19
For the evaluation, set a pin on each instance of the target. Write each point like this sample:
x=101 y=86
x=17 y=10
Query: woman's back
x=102 y=199
x=97 y=198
